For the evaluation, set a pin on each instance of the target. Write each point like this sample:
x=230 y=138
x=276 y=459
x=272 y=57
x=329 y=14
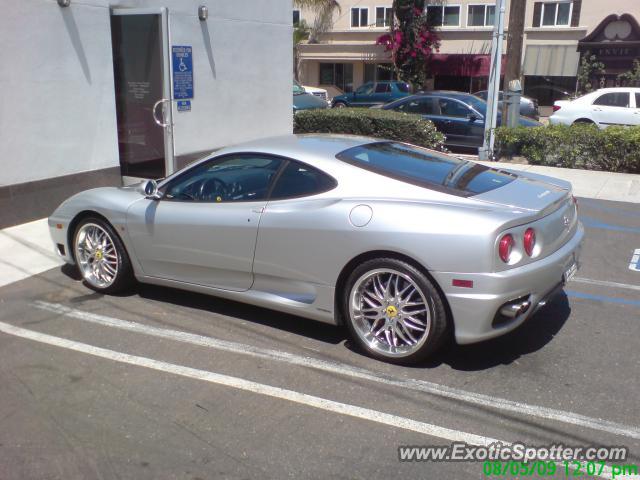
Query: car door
x=463 y=126
x=636 y=111
x=203 y=230
x=291 y=228
x=362 y=96
x=613 y=108
x=381 y=94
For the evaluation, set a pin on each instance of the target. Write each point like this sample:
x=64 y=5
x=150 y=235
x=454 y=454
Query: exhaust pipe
x=515 y=308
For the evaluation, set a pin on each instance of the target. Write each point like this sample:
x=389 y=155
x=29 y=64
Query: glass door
x=140 y=43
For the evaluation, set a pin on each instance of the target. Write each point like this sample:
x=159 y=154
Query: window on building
x=296 y=17
x=637 y=100
x=383 y=16
x=443 y=15
x=378 y=72
x=359 y=17
x=338 y=74
x=614 y=99
x=552 y=14
x=481 y=15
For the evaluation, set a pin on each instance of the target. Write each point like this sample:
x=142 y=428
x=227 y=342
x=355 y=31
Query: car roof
x=314 y=148
x=617 y=89
x=446 y=93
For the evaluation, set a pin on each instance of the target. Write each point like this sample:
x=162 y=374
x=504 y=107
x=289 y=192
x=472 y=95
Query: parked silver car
x=402 y=244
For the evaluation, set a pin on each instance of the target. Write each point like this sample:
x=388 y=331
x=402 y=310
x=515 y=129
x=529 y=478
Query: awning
x=551 y=60
x=461 y=64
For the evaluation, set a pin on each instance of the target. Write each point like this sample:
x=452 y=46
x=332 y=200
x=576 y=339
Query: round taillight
x=506 y=245
x=529 y=241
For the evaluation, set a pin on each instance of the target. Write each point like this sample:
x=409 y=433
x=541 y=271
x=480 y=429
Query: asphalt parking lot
x=161 y=383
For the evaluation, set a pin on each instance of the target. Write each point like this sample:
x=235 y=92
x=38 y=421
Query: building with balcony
x=556 y=31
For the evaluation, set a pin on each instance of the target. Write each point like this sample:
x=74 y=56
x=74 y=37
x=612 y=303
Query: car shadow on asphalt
x=293 y=324
x=531 y=336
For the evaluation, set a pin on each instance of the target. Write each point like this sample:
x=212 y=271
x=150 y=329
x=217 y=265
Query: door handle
x=258 y=210
x=160 y=122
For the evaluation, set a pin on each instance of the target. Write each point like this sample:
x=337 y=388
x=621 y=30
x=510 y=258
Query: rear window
x=426 y=168
x=403 y=87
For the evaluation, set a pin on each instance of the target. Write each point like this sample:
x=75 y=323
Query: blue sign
x=182 y=63
x=184 y=105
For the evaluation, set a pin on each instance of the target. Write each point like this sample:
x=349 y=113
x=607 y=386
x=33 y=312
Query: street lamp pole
x=486 y=151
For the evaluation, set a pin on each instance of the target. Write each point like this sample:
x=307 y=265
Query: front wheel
x=394 y=312
x=339 y=105
x=101 y=257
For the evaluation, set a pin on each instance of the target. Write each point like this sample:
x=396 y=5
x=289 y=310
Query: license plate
x=571 y=271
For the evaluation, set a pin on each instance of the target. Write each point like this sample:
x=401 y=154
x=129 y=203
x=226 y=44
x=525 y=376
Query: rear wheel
x=393 y=311
x=101 y=257
x=584 y=121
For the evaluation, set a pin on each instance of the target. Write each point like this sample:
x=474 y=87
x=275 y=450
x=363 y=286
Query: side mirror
x=472 y=117
x=149 y=188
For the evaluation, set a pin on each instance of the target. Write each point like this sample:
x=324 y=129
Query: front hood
x=307 y=101
x=528 y=194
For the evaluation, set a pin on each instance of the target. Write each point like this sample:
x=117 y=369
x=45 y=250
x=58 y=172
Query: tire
x=584 y=121
x=339 y=105
x=394 y=312
x=100 y=256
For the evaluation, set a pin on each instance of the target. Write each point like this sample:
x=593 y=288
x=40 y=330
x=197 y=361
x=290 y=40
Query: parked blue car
x=459 y=116
x=372 y=93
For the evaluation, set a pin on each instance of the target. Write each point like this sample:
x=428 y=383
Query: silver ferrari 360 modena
x=404 y=245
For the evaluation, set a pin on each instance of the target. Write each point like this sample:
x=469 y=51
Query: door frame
x=167 y=91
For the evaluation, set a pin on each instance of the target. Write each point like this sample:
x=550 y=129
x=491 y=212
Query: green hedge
x=614 y=149
x=370 y=122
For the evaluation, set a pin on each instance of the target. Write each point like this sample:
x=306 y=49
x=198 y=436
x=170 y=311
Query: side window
x=453 y=108
x=383 y=88
x=299 y=180
x=231 y=178
x=613 y=99
x=365 y=89
x=637 y=100
x=423 y=106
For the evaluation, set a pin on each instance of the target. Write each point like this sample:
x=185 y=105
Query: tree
x=632 y=77
x=589 y=66
x=323 y=10
x=301 y=33
x=410 y=41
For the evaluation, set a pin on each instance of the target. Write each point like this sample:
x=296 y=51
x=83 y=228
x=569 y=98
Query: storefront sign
x=182 y=63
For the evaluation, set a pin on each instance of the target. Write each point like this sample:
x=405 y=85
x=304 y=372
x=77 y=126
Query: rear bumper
x=474 y=309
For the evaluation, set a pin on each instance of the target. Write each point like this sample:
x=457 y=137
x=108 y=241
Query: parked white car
x=604 y=107
x=318 y=92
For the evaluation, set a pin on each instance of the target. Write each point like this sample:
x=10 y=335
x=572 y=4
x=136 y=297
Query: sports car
x=405 y=246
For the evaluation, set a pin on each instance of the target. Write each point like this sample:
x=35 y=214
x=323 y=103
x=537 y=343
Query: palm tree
x=301 y=33
x=324 y=10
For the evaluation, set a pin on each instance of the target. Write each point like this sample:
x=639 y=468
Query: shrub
x=615 y=149
x=370 y=122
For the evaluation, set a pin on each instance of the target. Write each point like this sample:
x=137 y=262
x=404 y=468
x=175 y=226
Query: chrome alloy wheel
x=390 y=312
x=96 y=255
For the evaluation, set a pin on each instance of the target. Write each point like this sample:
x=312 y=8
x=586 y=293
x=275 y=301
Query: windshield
x=426 y=168
x=297 y=88
x=478 y=104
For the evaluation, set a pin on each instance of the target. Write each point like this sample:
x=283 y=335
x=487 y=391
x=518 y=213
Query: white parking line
x=605 y=283
x=635 y=261
x=268 y=390
x=349 y=371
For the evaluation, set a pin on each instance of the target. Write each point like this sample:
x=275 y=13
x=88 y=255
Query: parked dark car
x=528 y=106
x=459 y=116
x=372 y=93
x=306 y=101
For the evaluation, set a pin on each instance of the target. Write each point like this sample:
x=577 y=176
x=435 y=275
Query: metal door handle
x=154 y=111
